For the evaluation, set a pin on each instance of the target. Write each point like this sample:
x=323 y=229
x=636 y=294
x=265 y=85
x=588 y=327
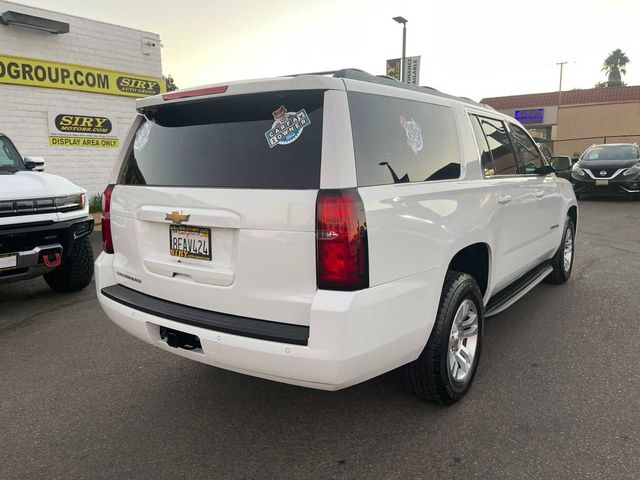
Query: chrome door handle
x=504 y=199
x=540 y=194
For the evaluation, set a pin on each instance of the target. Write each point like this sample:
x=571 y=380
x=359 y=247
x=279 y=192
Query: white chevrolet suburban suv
x=44 y=224
x=322 y=229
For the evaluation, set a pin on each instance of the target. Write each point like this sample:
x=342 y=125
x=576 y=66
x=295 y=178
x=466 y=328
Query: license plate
x=8 y=261
x=602 y=183
x=190 y=242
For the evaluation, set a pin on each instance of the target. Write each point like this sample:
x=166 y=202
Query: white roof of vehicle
x=334 y=80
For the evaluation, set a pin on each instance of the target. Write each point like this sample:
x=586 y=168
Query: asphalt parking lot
x=556 y=394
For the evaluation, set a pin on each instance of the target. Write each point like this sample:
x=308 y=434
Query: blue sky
x=471 y=48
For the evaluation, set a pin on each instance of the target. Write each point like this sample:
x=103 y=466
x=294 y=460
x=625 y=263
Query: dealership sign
x=41 y=73
x=393 y=68
x=530 y=115
x=81 y=130
x=411 y=69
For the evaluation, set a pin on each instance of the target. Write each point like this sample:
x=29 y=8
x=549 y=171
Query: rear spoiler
x=303 y=82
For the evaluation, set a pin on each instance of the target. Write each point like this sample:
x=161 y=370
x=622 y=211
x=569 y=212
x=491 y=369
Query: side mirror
x=561 y=164
x=34 y=163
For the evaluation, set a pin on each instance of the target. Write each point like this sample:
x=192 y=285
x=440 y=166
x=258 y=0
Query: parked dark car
x=562 y=165
x=609 y=169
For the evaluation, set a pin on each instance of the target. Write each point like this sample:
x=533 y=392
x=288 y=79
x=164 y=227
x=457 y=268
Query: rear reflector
x=341 y=241
x=107 y=241
x=194 y=93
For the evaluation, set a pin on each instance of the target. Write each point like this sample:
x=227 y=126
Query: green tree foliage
x=615 y=65
x=171 y=86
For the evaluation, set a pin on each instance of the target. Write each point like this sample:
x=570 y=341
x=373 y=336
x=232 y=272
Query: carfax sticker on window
x=287 y=127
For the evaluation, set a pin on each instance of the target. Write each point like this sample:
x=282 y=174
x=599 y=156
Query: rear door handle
x=504 y=199
x=540 y=194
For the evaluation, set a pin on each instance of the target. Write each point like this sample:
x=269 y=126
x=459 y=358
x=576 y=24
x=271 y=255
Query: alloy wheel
x=568 y=249
x=463 y=341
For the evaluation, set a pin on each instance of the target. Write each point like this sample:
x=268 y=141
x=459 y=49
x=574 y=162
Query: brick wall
x=597 y=121
x=24 y=109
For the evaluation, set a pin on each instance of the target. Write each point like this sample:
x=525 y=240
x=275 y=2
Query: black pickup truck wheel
x=76 y=271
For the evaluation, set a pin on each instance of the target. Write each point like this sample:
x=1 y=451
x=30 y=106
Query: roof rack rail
x=388 y=76
x=327 y=72
x=363 y=76
x=488 y=107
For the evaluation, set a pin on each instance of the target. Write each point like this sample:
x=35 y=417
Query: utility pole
x=403 y=21
x=562 y=64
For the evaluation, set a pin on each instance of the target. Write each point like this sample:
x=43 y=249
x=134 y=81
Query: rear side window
x=266 y=140
x=500 y=146
x=402 y=141
x=488 y=168
x=530 y=159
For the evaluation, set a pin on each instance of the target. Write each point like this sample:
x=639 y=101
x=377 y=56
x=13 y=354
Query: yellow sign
x=41 y=73
x=80 y=142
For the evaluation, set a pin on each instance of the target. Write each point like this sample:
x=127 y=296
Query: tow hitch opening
x=177 y=339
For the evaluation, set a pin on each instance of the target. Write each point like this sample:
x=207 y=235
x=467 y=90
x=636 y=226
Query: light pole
x=403 y=21
x=562 y=64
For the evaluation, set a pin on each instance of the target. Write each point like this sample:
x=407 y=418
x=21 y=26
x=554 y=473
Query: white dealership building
x=68 y=87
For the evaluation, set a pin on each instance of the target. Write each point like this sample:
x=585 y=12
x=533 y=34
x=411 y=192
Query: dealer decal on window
x=142 y=136
x=414 y=134
x=287 y=127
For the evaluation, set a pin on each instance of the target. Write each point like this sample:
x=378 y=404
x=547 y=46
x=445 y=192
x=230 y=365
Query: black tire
x=560 y=274
x=578 y=195
x=429 y=376
x=77 y=270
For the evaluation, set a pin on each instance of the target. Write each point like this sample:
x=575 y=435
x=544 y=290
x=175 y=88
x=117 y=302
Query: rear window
x=402 y=141
x=266 y=140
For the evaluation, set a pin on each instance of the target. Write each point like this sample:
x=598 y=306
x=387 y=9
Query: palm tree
x=615 y=66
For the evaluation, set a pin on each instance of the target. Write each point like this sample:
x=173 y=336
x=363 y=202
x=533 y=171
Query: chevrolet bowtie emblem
x=177 y=217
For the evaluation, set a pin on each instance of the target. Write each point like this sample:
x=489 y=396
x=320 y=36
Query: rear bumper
x=352 y=336
x=220 y=322
x=30 y=241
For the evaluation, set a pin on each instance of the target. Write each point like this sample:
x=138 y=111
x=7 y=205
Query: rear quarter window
x=223 y=143
x=402 y=141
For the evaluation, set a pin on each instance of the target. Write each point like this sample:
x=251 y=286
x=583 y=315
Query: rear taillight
x=107 y=241
x=341 y=241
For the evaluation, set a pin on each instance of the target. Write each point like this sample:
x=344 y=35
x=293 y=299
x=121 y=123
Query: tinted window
x=500 y=146
x=225 y=143
x=530 y=160
x=546 y=150
x=612 y=152
x=486 y=160
x=400 y=141
x=9 y=157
